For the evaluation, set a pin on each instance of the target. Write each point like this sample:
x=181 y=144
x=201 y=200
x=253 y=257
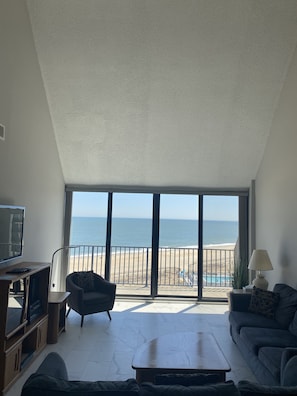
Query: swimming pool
x=208 y=280
x=216 y=280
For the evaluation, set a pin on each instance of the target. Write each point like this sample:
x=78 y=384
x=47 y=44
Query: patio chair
x=89 y=293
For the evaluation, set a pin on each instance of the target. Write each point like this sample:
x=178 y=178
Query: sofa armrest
x=54 y=366
x=239 y=301
x=288 y=367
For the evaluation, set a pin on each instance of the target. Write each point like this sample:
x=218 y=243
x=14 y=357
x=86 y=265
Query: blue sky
x=140 y=205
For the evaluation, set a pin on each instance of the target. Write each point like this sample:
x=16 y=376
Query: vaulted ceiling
x=163 y=92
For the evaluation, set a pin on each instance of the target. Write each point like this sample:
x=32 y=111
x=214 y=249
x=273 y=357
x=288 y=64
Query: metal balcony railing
x=132 y=265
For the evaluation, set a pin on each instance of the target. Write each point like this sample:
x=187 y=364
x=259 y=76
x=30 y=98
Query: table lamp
x=259 y=262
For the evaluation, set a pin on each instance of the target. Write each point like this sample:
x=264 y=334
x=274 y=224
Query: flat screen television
x=11 y=232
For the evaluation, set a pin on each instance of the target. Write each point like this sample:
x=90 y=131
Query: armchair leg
x=82 y=321
x=108 y=315
x=69 y=309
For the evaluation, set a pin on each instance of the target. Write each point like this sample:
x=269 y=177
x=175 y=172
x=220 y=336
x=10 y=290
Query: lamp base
x=260 y=282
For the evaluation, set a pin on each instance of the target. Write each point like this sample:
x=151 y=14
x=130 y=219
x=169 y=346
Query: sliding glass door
x=178 y=245
x=153 y=244
x=88 y=232
x=220 y=241
x=131 y=238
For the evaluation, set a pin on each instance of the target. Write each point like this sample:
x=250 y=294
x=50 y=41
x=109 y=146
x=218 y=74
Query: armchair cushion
x=85 y=280
x=94 y=298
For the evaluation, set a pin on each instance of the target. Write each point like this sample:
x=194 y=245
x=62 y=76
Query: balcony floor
x=103 y=349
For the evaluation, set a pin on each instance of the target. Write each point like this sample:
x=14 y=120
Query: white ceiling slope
x=163 y=92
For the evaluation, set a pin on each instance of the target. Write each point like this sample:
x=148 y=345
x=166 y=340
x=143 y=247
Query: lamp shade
x=260 y=261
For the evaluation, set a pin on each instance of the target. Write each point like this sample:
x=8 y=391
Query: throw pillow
x=287 y=304
x=85 y=280
x=247 y=388
x=187 y=379
x=263 y=302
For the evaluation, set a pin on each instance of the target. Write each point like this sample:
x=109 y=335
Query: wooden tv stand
x=23 y=339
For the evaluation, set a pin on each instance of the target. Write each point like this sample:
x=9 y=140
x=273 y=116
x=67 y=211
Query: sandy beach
x=130 y=268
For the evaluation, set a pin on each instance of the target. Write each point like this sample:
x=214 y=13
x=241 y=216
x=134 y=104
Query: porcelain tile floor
x=103 y=349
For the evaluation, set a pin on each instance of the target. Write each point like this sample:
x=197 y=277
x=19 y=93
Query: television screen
x=11 y=232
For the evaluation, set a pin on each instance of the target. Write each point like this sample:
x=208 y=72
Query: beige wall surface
x=30 y=174
x=276 y=187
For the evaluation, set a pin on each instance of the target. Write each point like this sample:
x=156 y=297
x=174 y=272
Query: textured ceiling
x=163 y=92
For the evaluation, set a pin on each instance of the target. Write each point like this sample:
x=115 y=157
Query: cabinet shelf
x=22 y=339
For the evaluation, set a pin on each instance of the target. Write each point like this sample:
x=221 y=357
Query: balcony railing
x=131 y=266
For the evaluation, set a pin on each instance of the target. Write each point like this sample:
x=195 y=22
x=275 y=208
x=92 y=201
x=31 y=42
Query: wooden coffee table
x=186 y=352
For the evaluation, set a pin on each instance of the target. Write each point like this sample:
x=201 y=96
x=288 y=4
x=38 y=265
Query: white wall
x=30 y=174
x=276 y=188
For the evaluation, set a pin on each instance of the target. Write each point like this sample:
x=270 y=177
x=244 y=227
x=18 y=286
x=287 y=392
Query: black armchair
x=89 y=293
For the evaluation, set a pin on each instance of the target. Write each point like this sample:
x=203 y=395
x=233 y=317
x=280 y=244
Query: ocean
x=138 y=232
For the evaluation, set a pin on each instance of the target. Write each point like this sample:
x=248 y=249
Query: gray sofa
x=263 y=324
x=51 y=379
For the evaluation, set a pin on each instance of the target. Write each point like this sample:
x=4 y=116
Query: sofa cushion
x=287 y=305
x=263 y=302
x=187 y=379
x=44 y=385
x=247 y=388
x=223 y=389
x=248 y=319
x=255 y=338
x=271 y=358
